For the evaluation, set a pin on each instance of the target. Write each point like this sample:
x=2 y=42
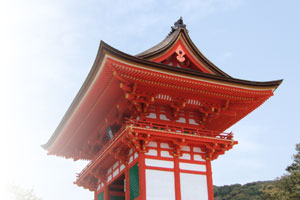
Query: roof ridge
x=177 y=25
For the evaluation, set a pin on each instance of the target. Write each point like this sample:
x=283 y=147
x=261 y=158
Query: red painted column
x=106 y=195
x=210 y=188
x=95 y=195
x=142 y=176
x=177 y=178
x=127 y=193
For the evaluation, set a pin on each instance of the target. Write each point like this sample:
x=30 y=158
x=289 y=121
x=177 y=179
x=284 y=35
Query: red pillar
x=210 y=188
x=106 y=195
x=142 y=176
x=127 y=193
x=177 y=178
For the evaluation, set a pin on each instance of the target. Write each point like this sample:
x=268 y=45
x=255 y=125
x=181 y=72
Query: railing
x=180 y=129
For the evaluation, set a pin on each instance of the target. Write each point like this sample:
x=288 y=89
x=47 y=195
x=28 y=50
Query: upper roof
x=179 y=33
x=99 y=80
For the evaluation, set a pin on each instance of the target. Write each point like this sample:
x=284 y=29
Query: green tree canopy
x=287 y=187
x=295 y=166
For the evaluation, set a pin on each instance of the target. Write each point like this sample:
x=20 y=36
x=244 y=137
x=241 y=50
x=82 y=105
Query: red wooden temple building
x=151 y=124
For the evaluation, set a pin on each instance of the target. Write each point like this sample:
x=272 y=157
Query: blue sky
x=48 y=47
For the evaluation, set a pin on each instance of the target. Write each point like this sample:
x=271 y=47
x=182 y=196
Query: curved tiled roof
x=144 y=59
x=177 y=32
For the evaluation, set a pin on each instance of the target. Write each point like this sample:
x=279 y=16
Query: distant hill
x=249 y=191
x=286 y=187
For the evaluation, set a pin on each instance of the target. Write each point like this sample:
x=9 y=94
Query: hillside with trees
x=286 y=187
x=253 y=191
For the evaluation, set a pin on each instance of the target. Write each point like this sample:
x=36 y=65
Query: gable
x=182 y=56
x=178 y=50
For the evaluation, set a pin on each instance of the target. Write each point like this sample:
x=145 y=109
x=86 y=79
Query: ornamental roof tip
x=178 y=24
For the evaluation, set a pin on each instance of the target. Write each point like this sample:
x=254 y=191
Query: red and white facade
x=187 y=169
x=151 y=124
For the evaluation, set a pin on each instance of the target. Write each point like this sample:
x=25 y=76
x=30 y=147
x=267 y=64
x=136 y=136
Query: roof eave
x=152 y=64
x=105 y=48
x=77 y=99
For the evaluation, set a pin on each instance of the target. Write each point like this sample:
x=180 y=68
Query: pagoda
x=151 y=124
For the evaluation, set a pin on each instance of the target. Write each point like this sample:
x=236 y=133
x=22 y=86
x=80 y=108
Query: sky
x=48 y=47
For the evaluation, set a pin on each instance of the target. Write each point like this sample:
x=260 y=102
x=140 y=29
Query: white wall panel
x=152 y=116
x=186 y=156
x=165 y=145
x=193 y=187
x=109 y=178
x=197 y=149
x=192 y=121
x=130 y=159
x=186 y=148
x=152 y=144
x=181 y=120
x=165 y=154
x=198 y=158
x=160 y=185
x=130 y=151
x=194 y=167
x=152 y=152
x=159 y=163
x=163 y=117
x=116 y=172
x=115 y=165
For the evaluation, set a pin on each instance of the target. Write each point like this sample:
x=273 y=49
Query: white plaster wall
x=130 y=159
x=116 y=172
x=165 y=145
x=181 y=120
x=152 y=116
x=163 y=117
x=159 y=163
x=109 y=178
x=192 y=121
x=115 y=165
x=159 y=185
x=152 y=144
x=165 y=154
x=193 y=167
x=198 y=158
x=122 y=167
x=186 y=156
x=152 y=152
x=193 y=187
x=197 y=149
x=186 y=148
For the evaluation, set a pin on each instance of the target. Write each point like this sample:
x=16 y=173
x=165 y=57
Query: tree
x=18 y=193
x=287 y=187
x=295 y=166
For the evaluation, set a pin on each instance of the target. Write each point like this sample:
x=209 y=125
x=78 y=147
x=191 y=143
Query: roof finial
x=178 y=24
